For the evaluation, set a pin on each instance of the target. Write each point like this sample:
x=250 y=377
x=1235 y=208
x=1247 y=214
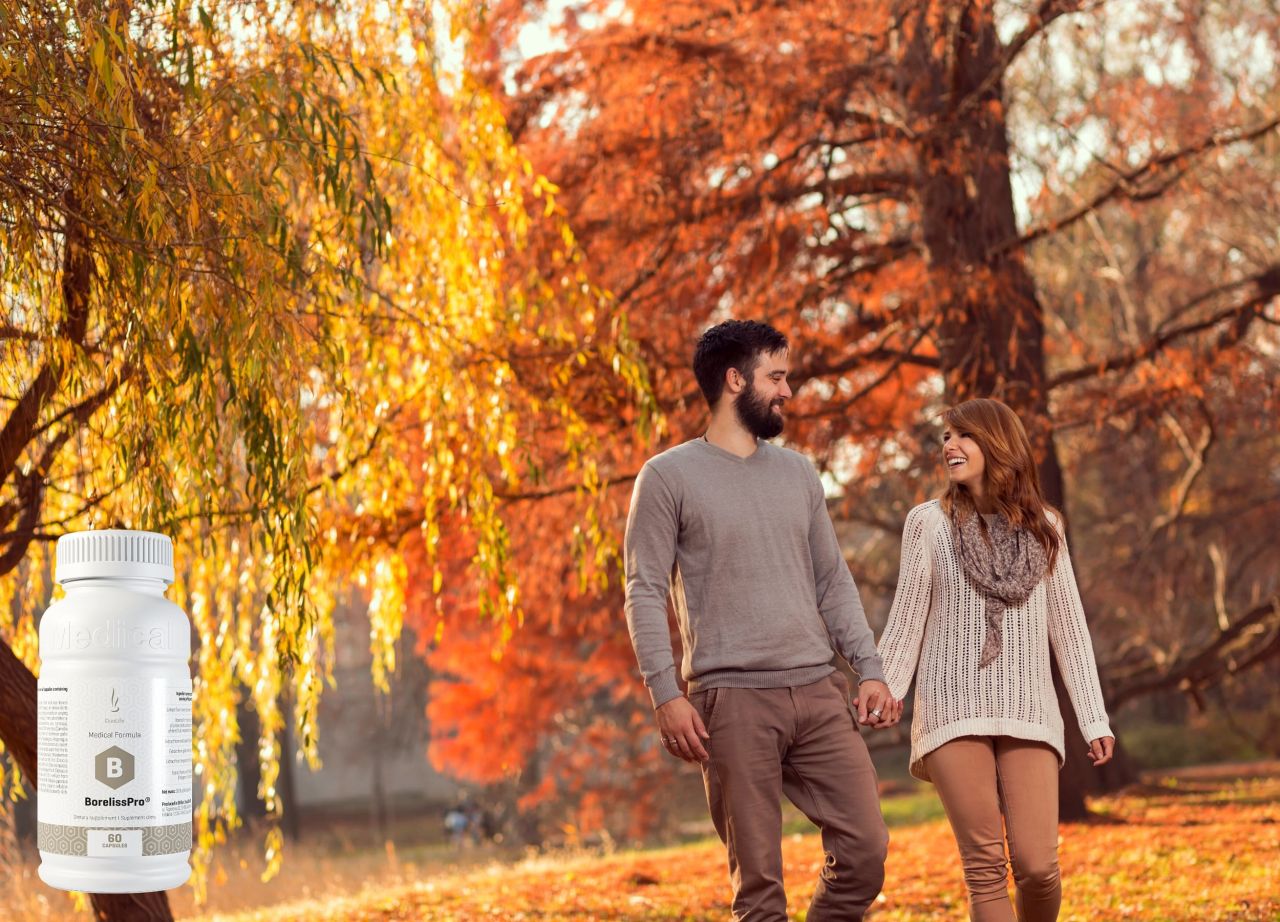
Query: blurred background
x=378 y=309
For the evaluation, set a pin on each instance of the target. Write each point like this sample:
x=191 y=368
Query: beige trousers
x=981 y=779
x=803 y=742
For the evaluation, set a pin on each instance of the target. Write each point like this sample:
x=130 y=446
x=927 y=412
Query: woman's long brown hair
x=1012 y=483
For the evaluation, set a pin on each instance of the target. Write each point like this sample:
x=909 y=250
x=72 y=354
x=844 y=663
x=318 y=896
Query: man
x=737 y=529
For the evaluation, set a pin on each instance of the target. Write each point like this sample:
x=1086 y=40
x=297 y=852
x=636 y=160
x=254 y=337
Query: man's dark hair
x=732 y=344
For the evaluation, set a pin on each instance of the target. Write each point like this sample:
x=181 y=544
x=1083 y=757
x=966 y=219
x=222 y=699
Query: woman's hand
x=877 y=696
x=891 y=714
x=1101 y=749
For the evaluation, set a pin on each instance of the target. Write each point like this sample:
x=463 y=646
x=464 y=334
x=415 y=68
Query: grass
x=1197 y=845
x=919 y=806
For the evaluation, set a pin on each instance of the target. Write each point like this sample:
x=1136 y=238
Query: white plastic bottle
x=114 y=755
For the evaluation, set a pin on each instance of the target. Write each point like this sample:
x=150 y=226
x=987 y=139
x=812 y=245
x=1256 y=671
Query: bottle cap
x=111 y=552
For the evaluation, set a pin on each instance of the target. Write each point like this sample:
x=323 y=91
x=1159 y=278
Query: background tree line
x=366 y=296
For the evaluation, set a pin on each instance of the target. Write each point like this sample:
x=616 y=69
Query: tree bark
x=18 y=711
x=132 y=907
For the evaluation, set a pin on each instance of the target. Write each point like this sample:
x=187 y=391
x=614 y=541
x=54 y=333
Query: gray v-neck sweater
x=747 y=551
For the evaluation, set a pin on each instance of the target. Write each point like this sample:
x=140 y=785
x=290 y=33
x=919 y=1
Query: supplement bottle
x=114 y=733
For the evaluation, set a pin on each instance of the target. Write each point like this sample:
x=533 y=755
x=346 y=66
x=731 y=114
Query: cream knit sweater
x=936 y=624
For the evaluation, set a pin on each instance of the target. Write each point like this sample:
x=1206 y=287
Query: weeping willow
x=277 y=282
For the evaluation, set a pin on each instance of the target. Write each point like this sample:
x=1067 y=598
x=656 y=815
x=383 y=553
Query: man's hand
x=876 y=706
x=682 y=730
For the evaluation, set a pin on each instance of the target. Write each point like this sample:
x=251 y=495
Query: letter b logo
x=114 y=767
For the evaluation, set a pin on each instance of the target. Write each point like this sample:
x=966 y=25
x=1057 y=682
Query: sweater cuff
x=870 y=670
x=663 y=687
x=1095 y=731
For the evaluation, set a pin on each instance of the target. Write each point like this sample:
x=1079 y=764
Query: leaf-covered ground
x=1178 y=851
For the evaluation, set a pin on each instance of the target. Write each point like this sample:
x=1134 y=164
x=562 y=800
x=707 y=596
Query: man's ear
x=734 y=380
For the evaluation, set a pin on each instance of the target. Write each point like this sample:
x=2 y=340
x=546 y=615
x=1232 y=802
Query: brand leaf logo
x=115 y=702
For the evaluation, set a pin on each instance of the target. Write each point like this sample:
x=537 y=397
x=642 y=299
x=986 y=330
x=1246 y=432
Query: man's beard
x=757 y=415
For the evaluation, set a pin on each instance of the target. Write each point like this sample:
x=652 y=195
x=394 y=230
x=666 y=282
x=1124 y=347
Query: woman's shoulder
x=924 y=517
x=930 y=508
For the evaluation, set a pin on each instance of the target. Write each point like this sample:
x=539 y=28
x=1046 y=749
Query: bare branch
x=1230 y=318
x=10 y=332
x=1129 y=184
x=20 y=427
x=562 y=490
x=1251 y=639
x=1195 y=455
x=882 y=354
x=897 y=358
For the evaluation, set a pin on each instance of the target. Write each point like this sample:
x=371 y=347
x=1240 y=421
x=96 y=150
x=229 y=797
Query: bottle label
x=114 y=766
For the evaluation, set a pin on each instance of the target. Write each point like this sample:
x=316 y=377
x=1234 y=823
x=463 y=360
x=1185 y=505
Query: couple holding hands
x=736 y=531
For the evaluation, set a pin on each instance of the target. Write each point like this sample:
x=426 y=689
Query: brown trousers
x=802 y=742
x=981 y=778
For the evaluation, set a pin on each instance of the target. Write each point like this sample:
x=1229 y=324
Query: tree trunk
x=378 y=798
x=248 y=769
x=18 y=711
x=24 y=820
x=527 y=824
x=287 y=788
x=10 y=846
x=18 y=730
x=132 y=907
x=991 y=338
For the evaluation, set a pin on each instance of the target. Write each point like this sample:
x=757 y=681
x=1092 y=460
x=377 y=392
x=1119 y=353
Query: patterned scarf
x=1005 y=566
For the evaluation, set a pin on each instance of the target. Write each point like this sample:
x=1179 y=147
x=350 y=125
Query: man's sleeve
x=838 y=600
x=649 y=555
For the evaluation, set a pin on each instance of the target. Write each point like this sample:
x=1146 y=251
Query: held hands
x=876 y=707
x=682 y=730
x=1101 y=749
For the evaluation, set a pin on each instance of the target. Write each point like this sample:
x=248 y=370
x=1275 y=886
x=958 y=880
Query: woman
x=986 y=591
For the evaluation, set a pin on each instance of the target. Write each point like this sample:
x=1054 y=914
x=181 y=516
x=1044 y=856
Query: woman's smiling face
x=963 y=458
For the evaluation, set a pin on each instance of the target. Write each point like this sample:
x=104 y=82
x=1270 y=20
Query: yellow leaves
x=274 y=850
x=311 y=397
x=98 y=58
x=386 y=616
x=193 y=210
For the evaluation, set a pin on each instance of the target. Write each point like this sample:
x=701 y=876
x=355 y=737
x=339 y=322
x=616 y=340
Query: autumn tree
x=1061 y=204
x=254 y=258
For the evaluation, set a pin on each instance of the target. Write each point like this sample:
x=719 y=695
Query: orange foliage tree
x=934 y=200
